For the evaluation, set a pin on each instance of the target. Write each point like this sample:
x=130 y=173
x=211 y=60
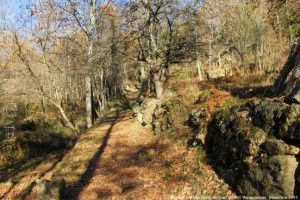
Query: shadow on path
x=73 y=191
x=29 y=188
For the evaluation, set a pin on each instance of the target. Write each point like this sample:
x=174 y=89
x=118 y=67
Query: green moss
x=232 y=102
x=197 y=184
x=222 y=113
x=167 y=176
x=186 y=72
x=203 y=95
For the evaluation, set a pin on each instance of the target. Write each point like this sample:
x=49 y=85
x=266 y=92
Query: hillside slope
x=120 y=159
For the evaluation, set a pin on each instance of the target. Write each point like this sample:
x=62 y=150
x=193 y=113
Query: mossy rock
x=239 y=144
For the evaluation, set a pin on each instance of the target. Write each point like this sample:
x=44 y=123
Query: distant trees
x=287 y=17
x=42 y=63
x=238 y=35
x=83 y=15
x=284 y=15
x=78 y=55
x=98 y=22
x=161 y=29
x=4 y=57
x=3 y=62
x=109 y=80
x=69 y=56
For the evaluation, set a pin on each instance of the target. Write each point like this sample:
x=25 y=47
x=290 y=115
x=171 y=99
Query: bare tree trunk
x=199 y=69
x=293 y=85
x=40 y=86
x=159 y=85
x=292 y=63
x=65 y=118
x=88 y=76
x=142 y=71
x=211 y=38
x=156 y=66
x=88 y=101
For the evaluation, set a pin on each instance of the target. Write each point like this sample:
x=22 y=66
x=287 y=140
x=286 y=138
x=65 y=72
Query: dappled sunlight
x=16 y=190
x=149 y=99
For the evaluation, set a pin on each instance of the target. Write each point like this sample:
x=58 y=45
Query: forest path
x=120 y=159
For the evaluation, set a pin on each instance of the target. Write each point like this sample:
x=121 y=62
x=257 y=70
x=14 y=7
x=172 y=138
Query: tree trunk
x=88 y=101
x=159 y=86
x=293 y=85
x=292 y=63
x=88 y=76
x=142 y=71
x=199 y=69
x=63 y=114
x=65 y=118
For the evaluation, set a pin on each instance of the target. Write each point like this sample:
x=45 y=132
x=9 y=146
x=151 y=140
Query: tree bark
x=291 y=64
x=293 y=85
x=88 y=102
x=65 y=118
x=88 y=76
x=199 y=70
x=159 y=85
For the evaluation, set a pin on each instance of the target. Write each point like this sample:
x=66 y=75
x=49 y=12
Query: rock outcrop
x=216 y=73
x=51 y=190
x=197 y=123
x=162 y=121
x=154 y=113
x=255 y=147
x=144 y=111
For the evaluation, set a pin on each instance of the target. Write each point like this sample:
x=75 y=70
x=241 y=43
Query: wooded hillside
x=69 y=66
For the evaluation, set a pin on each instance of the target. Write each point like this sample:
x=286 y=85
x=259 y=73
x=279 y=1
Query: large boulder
x=274 y=176
x=216 y=73
x=255 y=147
x=279 y=147
x=162 y=121
x=276 y=118
x=155 y=113
x=144 y=112
x=297 y=97
x=51 y=190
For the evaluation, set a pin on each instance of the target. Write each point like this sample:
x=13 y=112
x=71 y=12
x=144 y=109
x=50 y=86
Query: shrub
x=28 y=125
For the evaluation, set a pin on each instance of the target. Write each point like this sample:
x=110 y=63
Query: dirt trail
x=120 y=159
x=135 y=164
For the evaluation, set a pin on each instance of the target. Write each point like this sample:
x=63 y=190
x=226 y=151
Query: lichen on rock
x=255 y=147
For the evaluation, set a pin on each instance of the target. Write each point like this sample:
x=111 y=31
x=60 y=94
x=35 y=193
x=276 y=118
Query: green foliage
x=203 y=95
x=197 y=184
x=232 y=102
x=201 y=153
x=167 y=176
x=294 y=29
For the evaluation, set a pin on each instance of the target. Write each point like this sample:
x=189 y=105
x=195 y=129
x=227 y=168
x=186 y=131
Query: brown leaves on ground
x=135 y=164
x=122 y=160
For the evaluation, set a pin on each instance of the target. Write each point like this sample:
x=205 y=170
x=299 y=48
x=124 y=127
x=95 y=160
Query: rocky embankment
x=255 y=147
x=154 y=113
